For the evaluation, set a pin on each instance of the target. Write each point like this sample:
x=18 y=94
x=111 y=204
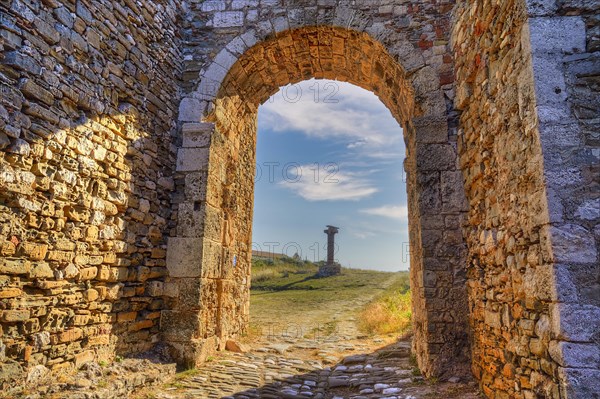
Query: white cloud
x=357 y=119
x=399 y=212
x=379 y=228
x=356 y=144
x=341 y=186
x=363 y=234
x=386 y=155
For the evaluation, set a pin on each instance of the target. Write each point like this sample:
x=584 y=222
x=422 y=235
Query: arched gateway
x=220 y=153
x=127 y=139
x=485 y=282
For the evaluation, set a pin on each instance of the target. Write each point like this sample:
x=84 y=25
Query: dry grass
x=388 y=314
x=266 y=270
x=264 y=275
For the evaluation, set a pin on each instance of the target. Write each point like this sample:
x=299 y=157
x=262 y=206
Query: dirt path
x=333 y=320
x=320 y=354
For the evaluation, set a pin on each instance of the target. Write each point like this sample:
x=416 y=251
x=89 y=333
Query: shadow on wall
x=84 y=212
x=85 y=179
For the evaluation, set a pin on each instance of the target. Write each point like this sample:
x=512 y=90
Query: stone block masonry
x=531 y=177
x=127 y=148
x=410 y=70
x=88 y=101
x=565 y=50
x=208 y=287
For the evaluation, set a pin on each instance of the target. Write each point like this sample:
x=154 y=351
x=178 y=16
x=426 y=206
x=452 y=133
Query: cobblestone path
x=310 y=357
x=385 y=373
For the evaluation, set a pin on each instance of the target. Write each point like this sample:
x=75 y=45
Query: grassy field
x=284 y=285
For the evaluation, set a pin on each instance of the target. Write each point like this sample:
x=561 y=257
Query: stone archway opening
x=329 y=153
x=83 y=234
x=326 y=154
x=210 y=257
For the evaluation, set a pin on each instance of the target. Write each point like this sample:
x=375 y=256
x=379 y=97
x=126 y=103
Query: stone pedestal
x=329 y=270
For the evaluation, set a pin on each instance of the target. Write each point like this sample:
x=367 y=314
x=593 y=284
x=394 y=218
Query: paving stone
x=106 y=168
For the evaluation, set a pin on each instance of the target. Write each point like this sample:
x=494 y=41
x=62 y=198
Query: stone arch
x=217 y=161
x=102 y=110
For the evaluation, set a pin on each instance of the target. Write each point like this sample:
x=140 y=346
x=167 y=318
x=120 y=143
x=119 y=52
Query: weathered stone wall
x=208 y=288
x=565 y=49
x=98 y=167
x=88 y=103
x=529 y=177
x=241 y=52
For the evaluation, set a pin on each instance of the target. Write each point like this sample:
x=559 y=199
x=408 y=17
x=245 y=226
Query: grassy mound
x=284 y=285
x=265 y=272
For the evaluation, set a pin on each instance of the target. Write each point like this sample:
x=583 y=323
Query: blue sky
x=331 y=153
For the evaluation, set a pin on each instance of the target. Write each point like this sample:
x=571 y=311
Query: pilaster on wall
x=183 y=325
x=437 y=207
x=192 y=324
x=566 y=61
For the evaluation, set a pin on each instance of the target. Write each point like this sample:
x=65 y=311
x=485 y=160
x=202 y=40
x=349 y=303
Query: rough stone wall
x=238 y=53
x=565 y=48
x=92 y=181
x=88 y=104
x=522 y=151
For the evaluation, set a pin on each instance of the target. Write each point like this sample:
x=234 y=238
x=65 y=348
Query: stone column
x=331 y=267
x=331 y=232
